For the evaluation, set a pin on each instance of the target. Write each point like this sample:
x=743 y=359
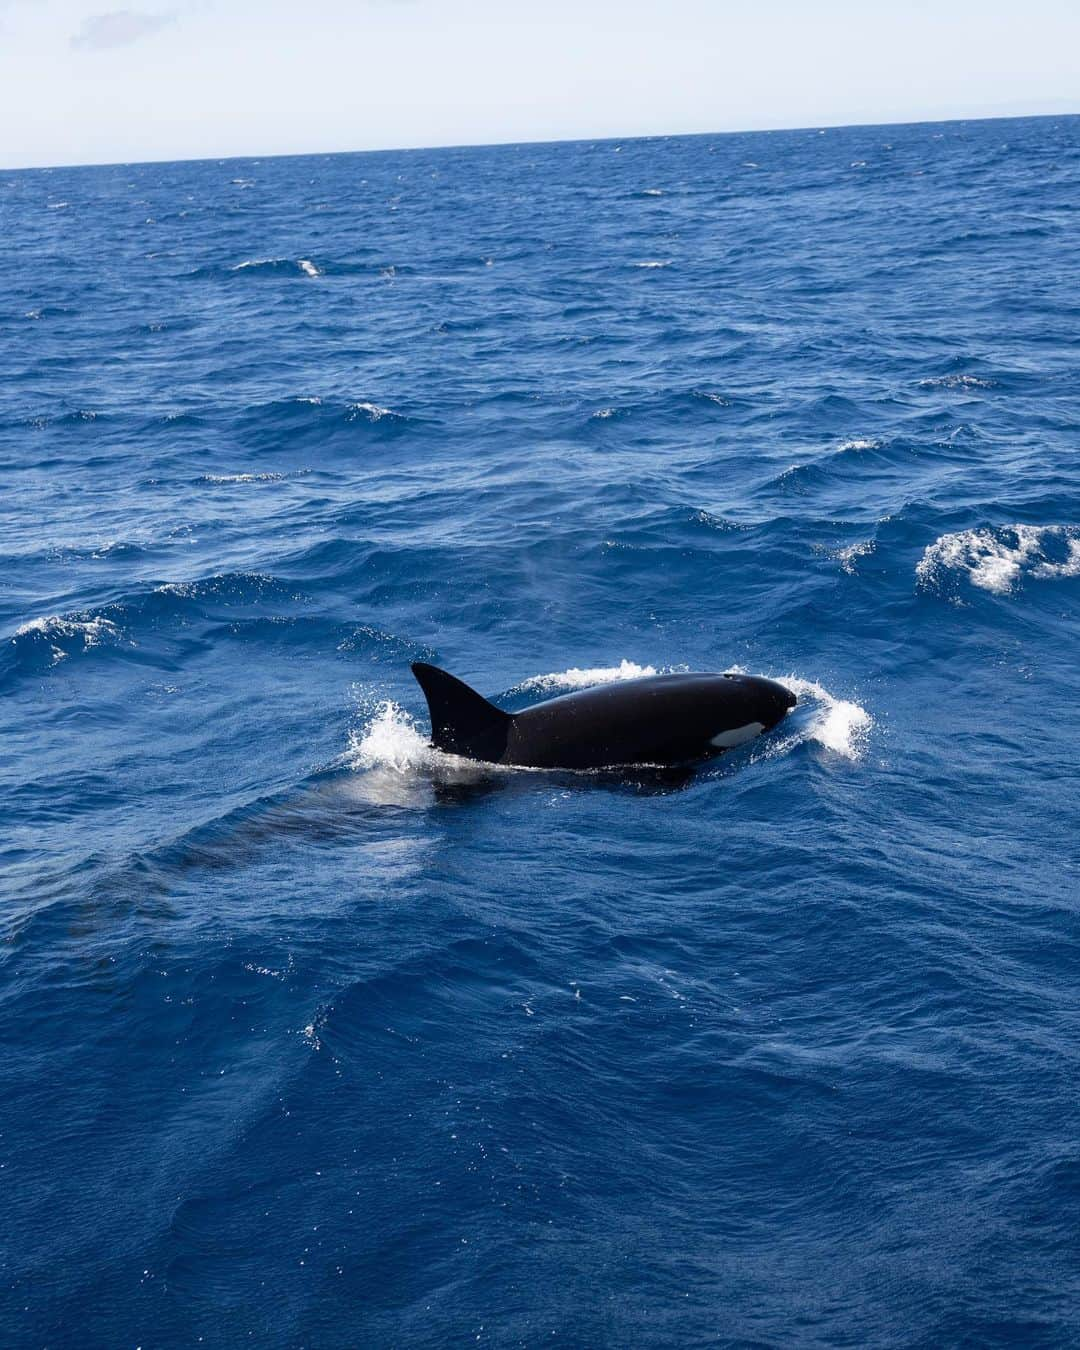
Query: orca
x=661 y=720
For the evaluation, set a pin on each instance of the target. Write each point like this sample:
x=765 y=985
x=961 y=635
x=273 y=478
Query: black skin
x=664 y=720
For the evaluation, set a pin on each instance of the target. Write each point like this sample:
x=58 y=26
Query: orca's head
x=769 y=701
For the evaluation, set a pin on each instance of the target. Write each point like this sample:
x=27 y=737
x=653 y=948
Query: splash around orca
x=655 y=720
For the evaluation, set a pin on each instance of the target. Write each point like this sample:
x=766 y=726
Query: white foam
x=390 y=739
x=308 y=267
x=576 y=678
x=848 y=557
x=256 y=262
x=863 y=444
x=839 y=725
x=956 y=382
x=653 y=192
x=54 y=628
x=186 y=589
x=107 y=547
x=654 y=262
x=996 y=559
x=243 y=477
x=372 y=411
x=396 y=765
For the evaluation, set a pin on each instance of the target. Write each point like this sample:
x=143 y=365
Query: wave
x=276 y=425
x=58 y=636
x=133 y=620
x=867 y=459
x=277 y=267
x=100 y=550
x=997 y=558
x=310 y=420
x=370 y=412
x=48 y=312
x=219 y=479
x=678 y=405
x=77 y=416
x=281 y=267
x=226 y=585
x=957 y=382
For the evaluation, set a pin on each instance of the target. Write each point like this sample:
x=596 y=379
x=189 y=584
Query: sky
x=84 y=83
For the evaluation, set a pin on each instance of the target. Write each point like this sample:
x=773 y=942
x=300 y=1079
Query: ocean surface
x=314 y=1038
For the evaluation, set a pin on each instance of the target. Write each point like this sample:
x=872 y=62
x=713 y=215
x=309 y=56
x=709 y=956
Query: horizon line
x=558 y=140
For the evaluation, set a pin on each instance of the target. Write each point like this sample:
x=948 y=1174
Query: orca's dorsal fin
x=463 y=722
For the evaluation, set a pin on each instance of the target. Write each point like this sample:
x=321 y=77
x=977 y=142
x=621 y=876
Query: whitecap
x=654 y=263
x=55 y=628
x=653 y=192
x=308 y=267
x=55 y=625
x=956 y=382
x=257 y=262
x=219 y=478
x=859 y=444
x=108 y=547
x=372 y=411
x=995 y=559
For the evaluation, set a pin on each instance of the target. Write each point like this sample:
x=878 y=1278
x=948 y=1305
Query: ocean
x=315 y=1038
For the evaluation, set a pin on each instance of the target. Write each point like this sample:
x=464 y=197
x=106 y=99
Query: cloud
x=118 y=28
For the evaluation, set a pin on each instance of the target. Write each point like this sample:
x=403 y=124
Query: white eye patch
x=727 y=740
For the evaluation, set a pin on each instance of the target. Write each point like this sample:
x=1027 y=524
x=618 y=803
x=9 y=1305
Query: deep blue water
x=310 y=1038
